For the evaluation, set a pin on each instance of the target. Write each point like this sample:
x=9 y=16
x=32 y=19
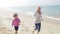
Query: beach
x=48 y=26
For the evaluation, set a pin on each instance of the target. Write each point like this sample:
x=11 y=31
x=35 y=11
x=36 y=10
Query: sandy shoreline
x=48 y=26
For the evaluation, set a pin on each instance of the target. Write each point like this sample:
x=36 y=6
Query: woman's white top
x=38 y=17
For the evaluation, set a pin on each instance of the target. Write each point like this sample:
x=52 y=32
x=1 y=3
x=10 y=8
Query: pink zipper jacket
x=16 y=22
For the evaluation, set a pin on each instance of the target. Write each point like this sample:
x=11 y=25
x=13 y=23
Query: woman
x=38 y=16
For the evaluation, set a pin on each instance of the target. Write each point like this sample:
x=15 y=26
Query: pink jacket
x=16 y=22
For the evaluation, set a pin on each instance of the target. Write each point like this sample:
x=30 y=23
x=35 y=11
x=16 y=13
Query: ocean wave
x=44 y=16
x=51 y=17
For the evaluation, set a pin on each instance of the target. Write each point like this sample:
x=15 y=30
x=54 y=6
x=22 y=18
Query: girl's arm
x=19 y=21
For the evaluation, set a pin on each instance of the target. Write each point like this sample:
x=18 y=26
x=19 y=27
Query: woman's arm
x=34 y=13
x=41 y=17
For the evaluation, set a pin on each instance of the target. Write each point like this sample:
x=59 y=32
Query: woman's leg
x=39 y=27
x=35 y=28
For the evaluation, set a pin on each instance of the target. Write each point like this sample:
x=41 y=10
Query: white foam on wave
x=31 y=14
x=52 y=17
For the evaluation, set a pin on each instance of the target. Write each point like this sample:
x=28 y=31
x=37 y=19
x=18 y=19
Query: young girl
x=38 y=17
x=16 y=22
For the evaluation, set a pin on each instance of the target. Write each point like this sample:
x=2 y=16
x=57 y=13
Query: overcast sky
x=11 y=3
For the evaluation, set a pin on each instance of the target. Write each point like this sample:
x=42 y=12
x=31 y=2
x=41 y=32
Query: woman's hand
x=42 y=19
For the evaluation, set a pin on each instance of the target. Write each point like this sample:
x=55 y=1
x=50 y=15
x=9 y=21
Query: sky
x=12 y=3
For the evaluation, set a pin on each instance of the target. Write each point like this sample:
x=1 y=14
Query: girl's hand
x=12 y=24
x=20 y=23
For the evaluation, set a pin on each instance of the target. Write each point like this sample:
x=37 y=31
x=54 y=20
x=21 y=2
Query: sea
x=53 y=11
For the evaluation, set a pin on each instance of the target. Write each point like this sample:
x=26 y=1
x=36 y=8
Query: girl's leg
x=16 y=29
x=16 y=32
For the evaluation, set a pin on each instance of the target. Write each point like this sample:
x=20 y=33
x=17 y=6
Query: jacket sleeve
x=19 y=20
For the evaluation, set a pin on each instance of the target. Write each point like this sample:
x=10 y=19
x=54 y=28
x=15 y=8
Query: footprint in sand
x=25 y=29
